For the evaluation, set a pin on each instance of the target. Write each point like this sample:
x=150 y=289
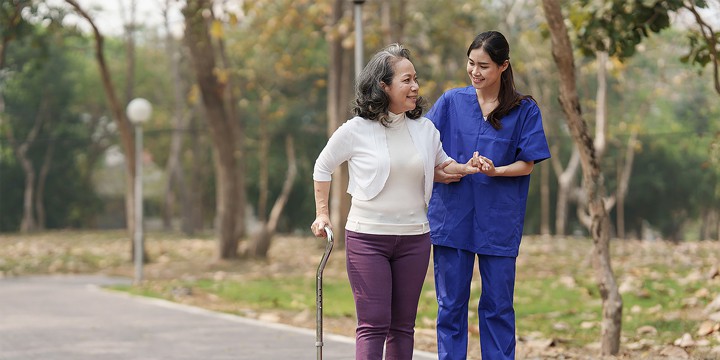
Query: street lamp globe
x=139 y=111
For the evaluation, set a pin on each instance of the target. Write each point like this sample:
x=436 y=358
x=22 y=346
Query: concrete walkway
x=73 y=318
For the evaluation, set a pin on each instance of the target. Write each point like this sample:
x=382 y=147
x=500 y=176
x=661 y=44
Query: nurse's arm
x=518 y=168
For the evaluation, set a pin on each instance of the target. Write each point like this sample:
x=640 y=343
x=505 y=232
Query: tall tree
x=12 y=27
x=44 y=133
x=176 y=185
x=592 y=179
x=31 y=71
x=21 y=147
x=601 y=143
x=224 y=129
x=339 y=94
x=230 y=96
x=126 y=132
x=262 y=241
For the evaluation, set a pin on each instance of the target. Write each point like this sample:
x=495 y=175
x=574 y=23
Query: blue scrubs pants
x=453 y=274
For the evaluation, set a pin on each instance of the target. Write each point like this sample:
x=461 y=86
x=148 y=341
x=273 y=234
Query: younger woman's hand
x=472 y=166
x=486 y=165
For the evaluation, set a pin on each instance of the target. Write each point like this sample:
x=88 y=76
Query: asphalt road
x=74 y=318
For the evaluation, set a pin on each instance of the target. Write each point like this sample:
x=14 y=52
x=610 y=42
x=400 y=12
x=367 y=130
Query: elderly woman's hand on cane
x=318 y=226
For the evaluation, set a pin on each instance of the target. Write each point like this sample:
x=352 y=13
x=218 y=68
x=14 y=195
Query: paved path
x=73 y=318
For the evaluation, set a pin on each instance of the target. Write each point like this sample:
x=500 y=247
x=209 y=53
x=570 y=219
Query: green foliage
x=674 y=180
x=682 y=194
x=40 y=90
x=282 y=84
x=10 y=178
x=13 y=25
x=618 y=26
x=699 y=51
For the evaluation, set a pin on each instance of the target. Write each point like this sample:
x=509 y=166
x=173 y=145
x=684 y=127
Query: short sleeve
x=532 y=145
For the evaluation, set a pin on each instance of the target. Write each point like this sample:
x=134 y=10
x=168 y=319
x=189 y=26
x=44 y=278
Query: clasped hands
x=476 y=164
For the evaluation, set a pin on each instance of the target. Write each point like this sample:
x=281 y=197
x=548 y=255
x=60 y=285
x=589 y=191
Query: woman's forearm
x=518 y=168
x=322 y=196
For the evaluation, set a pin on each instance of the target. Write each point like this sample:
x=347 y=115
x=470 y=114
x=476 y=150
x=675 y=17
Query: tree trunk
x=176 y=186
x=339 y=95
x=544 y=200
x=545 y=229
x=194 y=217
x=127 y=136
x=386 y=22
x=222 y=130
x=28 y=222
x=566 y=184
x=624 y=183
x=40 y=188
x=263 y=240
x=392 y=21
x=592 y=179
x=263 y=160
x=237 y=126
x=601 y=105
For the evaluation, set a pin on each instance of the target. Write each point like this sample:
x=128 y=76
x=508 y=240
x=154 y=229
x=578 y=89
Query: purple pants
x=386 y=274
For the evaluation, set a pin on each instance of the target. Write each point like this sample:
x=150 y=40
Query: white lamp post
x=138 y=112
x=358 y=37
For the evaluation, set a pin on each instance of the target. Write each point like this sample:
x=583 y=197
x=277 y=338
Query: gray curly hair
x=371 y=100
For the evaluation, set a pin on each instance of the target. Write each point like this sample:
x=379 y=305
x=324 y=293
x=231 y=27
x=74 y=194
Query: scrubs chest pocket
x=500 y=150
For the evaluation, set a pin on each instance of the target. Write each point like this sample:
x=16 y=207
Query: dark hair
x=371 y=100
x=496 y=46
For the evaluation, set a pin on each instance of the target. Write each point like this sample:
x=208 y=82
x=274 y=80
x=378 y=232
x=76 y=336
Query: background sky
x=111 y=15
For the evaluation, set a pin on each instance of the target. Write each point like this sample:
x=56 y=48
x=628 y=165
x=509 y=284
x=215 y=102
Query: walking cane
x=318 y=293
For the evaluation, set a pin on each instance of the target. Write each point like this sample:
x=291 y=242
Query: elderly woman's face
x=403 y=91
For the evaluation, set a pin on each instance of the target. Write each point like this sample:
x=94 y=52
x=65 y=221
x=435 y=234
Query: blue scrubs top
x=483 y=214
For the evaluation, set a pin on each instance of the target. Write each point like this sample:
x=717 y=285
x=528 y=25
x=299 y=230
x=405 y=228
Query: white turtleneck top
x=399 y=208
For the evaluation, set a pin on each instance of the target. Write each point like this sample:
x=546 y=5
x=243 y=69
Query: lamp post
x=138 y=112
x=358 y=37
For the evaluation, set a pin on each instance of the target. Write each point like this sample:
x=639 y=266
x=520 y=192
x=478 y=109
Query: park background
x=245 y=94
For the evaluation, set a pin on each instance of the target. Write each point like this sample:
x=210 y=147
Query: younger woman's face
x=403 y=89
x=484 y=73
